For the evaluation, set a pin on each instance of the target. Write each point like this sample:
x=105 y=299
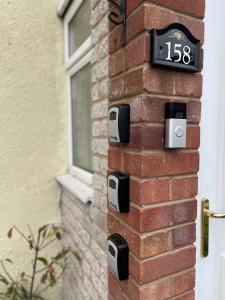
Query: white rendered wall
x=33 y=107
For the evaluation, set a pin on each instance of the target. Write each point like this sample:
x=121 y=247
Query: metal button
x=179 y=131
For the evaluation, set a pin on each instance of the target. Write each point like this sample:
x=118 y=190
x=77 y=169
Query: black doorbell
x=118 y=256
x=118 y=191
x=119 y=123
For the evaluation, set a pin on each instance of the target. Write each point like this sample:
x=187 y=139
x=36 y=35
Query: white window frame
x=85 y=47
x=80 y=58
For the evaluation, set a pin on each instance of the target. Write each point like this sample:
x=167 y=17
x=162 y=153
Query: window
x=78 y=65
x=79 y=27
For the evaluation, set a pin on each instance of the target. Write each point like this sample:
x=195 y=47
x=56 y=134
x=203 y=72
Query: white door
x=210 y=270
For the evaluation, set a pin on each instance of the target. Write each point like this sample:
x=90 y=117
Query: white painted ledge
x=62 y=6
x=79 y=189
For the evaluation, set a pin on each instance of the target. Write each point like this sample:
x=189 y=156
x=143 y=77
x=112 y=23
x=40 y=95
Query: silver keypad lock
x=119 y=123
x=118 y=256
x=118 y=191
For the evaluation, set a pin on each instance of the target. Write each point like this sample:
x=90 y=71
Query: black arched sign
x=176 y=48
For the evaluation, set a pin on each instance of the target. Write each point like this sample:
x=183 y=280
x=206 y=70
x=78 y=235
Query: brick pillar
x=160 y=227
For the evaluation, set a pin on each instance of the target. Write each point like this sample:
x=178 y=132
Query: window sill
x=79 y=189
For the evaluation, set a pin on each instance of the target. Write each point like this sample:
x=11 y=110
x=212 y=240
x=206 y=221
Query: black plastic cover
x=123 y=255
x=175 y=110
x=124 y=123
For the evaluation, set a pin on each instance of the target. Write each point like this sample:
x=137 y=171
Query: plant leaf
x=4 y=280
x=51 y=234
x=43 y=260
x=44 y=277
x=42 y=228
x=52 y=280
x=9 y=234
x=45 y=231
x=51 y=270
x=76 y=255
x=9 y=290
x=24 y=291
x=58 y=236
x=61 y=254
x=31 y=244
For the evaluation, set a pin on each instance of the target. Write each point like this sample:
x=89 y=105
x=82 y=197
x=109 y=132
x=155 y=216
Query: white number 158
x=177 y=49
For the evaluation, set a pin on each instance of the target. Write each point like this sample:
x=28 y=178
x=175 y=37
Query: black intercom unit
x=176 y=125
x=119 y=123
x=118 y=256
x=118 y=191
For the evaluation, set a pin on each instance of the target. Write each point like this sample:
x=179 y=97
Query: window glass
x=81 y=118
x=79 y=27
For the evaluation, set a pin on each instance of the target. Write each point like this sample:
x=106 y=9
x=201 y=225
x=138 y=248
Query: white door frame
x=212 y=149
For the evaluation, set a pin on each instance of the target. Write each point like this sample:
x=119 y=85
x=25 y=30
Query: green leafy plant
x=45 y=271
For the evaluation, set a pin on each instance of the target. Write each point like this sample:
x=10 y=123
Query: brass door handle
x=212 y=214
x=206 y=214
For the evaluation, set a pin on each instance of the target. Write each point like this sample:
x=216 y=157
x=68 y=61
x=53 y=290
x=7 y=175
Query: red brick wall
x=160 y=227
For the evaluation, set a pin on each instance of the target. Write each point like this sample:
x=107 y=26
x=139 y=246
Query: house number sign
x=176 y=48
